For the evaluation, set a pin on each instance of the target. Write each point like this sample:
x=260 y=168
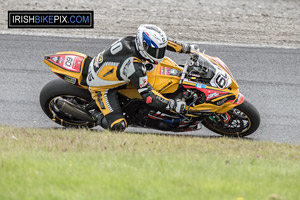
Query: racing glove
x=192 y=48
x=176 y=105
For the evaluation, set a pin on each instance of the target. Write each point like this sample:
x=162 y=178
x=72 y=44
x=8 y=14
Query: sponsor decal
x=205 y=111
x=168 y=71
x=97 y=61
x=126 y=66
x=100 y=57
x=198 y=85
x=127 y=69
x=222 y=101
x=143 y=81
x=212 y=95
x=61 y=60
x=162 y=99
x=70 y=80
x=55 y=59
x=90 y=76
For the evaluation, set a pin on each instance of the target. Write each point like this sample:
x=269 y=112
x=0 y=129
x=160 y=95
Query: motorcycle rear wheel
x=58 y=88
x=244 y=120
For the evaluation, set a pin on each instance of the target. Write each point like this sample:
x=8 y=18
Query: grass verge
x=82 y=164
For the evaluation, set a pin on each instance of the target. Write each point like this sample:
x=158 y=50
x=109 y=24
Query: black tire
x=248 y=114
x=60 y=88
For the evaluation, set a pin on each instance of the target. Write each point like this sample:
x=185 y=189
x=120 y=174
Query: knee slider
x=119 y=125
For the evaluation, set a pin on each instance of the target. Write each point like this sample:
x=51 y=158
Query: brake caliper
x=225 y=117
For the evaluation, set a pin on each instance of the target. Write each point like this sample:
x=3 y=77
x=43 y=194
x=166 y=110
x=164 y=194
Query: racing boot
x=100 y=119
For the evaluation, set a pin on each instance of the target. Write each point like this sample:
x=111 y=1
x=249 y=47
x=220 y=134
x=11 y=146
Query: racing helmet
x=151 y=42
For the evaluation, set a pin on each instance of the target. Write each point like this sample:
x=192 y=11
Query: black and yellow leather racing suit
x=119 y=64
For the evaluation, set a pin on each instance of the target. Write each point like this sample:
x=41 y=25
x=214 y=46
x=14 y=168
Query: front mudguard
x=238 y=101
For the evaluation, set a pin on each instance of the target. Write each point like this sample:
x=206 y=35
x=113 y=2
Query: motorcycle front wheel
x=243 y=120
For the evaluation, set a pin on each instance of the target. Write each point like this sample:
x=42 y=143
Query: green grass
x=81 y=164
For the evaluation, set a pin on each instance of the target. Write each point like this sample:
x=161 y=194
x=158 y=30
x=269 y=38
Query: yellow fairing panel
x=165 y=77
x=228 y=98
x=130 y=92
x=68 y=65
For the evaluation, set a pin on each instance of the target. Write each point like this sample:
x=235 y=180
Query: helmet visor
x=155 y=52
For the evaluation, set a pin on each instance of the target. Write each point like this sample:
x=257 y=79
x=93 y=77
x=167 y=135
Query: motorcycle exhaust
x=72 y=109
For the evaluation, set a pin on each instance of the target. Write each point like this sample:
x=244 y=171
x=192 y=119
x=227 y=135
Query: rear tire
x=245 y=120
x=60 y=88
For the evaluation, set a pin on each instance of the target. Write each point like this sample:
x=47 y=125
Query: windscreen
x=206 y=67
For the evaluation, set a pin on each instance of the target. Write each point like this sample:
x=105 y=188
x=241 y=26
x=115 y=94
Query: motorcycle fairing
x=220 y=96
x=68 y=65
x=216 y=100
x=171 y=120
x=222 y=92
x=164 y=78
x=221 y=71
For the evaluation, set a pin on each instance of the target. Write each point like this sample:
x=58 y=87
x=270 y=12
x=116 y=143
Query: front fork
x=220 y=119
x=225 y=117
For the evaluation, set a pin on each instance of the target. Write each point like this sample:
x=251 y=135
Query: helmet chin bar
x=150 y=58
x=153 y=60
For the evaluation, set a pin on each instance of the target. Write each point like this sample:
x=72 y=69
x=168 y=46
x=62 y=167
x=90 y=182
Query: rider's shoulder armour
x=122 y=48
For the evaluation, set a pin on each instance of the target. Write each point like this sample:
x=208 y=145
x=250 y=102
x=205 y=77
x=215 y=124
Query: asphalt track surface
x=268 y=77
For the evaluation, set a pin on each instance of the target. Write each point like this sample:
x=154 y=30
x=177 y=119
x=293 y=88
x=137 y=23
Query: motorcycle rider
x=123 y=62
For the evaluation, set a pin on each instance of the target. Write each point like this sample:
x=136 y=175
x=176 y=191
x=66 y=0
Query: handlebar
x=189 y=62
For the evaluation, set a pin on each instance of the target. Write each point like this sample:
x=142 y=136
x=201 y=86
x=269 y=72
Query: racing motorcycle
x=205 y=83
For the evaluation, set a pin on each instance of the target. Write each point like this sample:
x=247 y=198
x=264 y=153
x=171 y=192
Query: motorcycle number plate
x=221 y=80
x=68 y=62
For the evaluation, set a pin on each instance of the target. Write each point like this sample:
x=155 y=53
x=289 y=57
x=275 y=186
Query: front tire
x=244 y=120
x=58 y=88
